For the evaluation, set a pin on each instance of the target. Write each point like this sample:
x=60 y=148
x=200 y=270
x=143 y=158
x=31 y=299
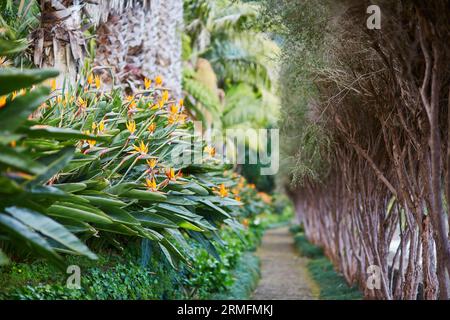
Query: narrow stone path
x=283 y=272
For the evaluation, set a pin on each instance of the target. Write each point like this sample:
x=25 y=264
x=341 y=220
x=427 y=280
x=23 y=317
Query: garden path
x=283 y=271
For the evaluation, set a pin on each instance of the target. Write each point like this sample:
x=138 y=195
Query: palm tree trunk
x=138 y=41
x=59 y=41
x=165 y=38
x=120 y=46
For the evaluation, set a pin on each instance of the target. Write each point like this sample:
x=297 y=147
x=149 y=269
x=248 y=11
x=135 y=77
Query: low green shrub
x=296 y=228
x=217 y=276
x=113 y=276
x=246 y=276
x=307 y=249
x=332 y=285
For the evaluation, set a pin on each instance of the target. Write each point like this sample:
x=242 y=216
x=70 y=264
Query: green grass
x=332 y=285
x=307 y=249
x=296 y=228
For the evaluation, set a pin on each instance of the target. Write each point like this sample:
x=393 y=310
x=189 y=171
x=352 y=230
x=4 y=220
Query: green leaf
x=198 y=189
x=76 y=226
x=175 y=253
x=122 y=188
x=177 y=209
x=3 y=259
x=22 y=232
x=206 y=244
x=121 y=215
x=14 y=159
x=59 y=133
x=189 y=226
x=154 y=220
x=144 y=195
x=216 y=208
x=48 y=192
x=8 y=186
x=12 y=79
x=65 y=211
x=118 y=228
x=51 y=229
x=71 y=187
x=58 y=162
x=8 y=47
x=192 y=186
x=104 y=201
x=180 y=200
x=17 y=111
x=168 y=256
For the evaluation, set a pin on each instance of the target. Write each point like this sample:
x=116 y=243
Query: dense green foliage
x=332 y=285
x=126 y=275
x=110 y=182
x=16 y=24
x=246 y=276
x=305 y=248
x=96 y=167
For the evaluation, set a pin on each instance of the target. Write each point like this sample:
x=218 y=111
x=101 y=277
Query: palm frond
x=201 y=93
x=231 y=60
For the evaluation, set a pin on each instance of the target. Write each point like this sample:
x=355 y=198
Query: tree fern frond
x=201 y=93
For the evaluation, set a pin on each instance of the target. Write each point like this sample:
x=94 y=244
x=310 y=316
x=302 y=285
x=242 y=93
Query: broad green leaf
x=121 y=215
x=48 y=192
x=189 y=226
x=173 y=250
x=144 y=195
x=58 y=162
x=12 y=79
x=17 y=111
x=49 y=132
x=176 y=209
x=198 y=189
x=181 y=220
x=206 y=244
x=224 y=202
x=20 y=161
x=71 y=187
x=22 y=232
x=51 y=229
x=151 y=234
x=8 y=47
x=117 y=228
x=77 y=214
x=180 y=200
x=8 y=186
x=148 y=219
x=121 y=188
x=216 y=208
x=104 y=201
x=76 y=226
